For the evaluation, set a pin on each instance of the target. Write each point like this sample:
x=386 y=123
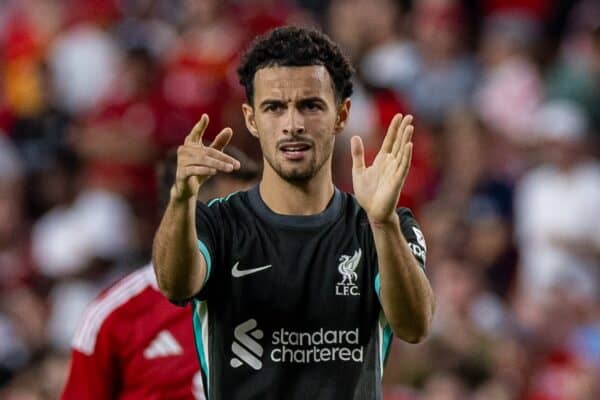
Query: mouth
x=295 y=150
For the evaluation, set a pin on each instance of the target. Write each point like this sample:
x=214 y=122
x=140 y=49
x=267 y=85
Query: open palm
x=377 y=187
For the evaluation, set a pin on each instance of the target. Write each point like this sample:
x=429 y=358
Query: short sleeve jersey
x=290 y=308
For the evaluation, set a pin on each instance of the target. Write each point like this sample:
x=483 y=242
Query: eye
x=273 y=107
x=311 y=106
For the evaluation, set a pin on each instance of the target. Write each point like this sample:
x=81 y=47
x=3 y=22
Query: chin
x=297 y=176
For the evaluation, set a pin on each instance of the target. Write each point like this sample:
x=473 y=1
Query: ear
x=249 y=119
x=342 y=116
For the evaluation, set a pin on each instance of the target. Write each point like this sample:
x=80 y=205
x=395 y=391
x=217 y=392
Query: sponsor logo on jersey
x=295 y=347
x=420 y=237
x=245 y=346
x=347 y=267
x=318 y=346
x=238 y=273
x=163 y=345
x=417 y=251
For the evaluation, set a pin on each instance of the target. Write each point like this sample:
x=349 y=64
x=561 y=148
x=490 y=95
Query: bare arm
x=178 y=263
x=179 y=266
x=405 y=293
x=406 y=296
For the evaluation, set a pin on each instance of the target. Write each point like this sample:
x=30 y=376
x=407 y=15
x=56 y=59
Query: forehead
x=293 y=82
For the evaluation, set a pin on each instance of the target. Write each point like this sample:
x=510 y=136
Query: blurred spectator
x=511 y=86
x=41 y=133
x=557 y=206
x=436 y=63
x=84 y=61
x=118 y=142
x=145 y=24
x=15 y=261
x=75 y=244
x=480 y=196
x=69 y=237
x=196 y=70
x=575 y=74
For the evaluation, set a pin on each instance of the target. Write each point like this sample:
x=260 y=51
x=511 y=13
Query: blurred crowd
x=505 y=178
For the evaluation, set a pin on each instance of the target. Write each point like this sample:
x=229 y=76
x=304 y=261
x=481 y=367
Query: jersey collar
x=297 y=221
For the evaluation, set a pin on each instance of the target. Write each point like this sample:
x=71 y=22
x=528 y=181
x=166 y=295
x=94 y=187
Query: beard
x=296 y=175
x=299 y=174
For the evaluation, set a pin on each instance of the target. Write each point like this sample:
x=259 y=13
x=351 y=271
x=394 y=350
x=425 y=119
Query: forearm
x=406 y=295
x=180 y=267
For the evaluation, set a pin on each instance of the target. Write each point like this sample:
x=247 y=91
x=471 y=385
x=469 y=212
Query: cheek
x=325 y=121
x=321 y=129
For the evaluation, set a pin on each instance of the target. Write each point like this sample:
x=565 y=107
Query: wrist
x=176 y=196
x=382 y=223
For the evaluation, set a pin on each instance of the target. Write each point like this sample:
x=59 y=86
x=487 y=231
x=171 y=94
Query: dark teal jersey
x=290 y=308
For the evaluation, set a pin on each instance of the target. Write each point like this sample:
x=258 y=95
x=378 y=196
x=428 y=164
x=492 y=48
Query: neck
x=291 y=198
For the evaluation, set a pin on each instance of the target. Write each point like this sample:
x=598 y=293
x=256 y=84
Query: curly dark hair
x=292 y=46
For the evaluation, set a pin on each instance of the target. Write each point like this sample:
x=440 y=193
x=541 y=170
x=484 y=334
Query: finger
x=390 y=135
x=210 y=162
x=404 y=166
x=400 y=137
x=196 y=153
x=406 y=121
x=358 y=152
x=199 y=171
x=195 y=135
x=219 y=155
x=222 y=139
x=402 y=140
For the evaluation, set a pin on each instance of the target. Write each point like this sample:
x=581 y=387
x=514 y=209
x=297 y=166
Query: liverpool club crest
x=347 y=267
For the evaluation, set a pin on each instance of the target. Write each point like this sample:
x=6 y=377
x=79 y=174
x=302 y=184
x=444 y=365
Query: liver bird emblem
x=348 y=266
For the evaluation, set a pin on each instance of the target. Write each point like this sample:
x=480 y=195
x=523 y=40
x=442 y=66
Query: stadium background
x=505 y=175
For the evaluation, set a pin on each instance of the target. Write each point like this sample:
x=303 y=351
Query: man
x=297 y=287
x=560 y=249
x=132 y=343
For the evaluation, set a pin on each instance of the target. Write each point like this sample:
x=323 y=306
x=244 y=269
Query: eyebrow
x=313 y=99
x=268 y=102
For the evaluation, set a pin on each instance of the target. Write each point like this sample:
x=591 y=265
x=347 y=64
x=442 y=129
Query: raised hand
x=197 y=162
x=377 y=188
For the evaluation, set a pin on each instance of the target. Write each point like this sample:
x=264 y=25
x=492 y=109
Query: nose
x=294 y=123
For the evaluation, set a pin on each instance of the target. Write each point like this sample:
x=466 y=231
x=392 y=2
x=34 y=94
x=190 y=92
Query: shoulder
x=232 y=199
x=225 y=207
x=406 y=215
x=109 y=302
x=410 y=227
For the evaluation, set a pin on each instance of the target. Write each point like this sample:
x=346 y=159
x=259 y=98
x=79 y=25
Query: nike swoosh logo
x=237 y=273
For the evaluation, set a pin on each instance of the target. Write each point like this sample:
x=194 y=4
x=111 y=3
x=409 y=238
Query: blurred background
x=505 y=178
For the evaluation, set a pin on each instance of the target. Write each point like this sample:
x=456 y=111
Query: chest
x=317 y=276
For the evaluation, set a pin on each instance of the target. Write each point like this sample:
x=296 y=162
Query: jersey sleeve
x=93 y=376
x=413 y=235
x=210 y=230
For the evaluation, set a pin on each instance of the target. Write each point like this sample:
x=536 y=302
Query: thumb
x=358 y=152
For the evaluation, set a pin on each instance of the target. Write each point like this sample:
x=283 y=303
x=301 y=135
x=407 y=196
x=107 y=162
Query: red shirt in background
x=132 y=343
